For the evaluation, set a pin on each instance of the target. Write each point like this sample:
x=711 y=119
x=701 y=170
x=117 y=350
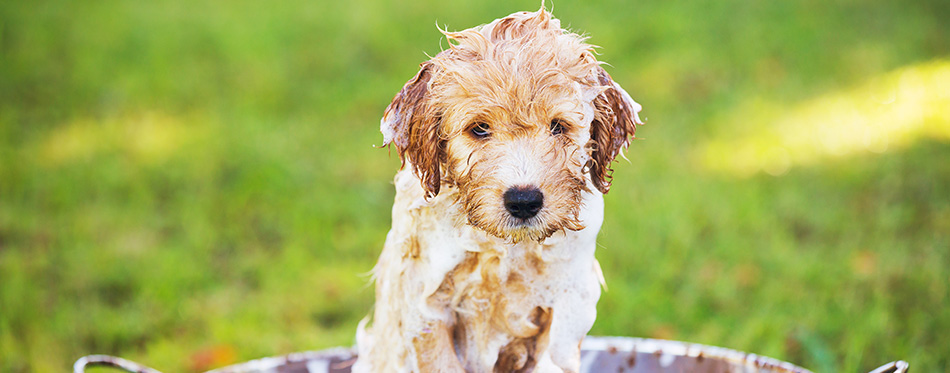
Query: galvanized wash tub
x=599 y=354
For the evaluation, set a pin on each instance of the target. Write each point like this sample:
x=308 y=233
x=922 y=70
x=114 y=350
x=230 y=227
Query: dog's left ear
x=413 y=126
x=615 y=121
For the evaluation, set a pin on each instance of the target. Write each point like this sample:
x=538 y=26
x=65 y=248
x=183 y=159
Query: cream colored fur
x=461 y=284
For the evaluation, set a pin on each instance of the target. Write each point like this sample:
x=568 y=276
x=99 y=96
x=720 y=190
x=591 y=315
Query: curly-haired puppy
x=508 y=137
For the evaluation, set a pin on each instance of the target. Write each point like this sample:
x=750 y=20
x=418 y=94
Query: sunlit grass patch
x=886 y=113
x=145 y=137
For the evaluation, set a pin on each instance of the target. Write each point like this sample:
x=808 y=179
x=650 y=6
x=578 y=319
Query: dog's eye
x=481 y=130
x=557 y=127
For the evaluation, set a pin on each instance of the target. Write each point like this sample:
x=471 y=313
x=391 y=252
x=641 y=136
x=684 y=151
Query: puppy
x=506 y=140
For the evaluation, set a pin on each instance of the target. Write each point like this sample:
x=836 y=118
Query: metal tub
x=598 y=354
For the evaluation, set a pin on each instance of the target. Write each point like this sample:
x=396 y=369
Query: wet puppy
x=506 y=139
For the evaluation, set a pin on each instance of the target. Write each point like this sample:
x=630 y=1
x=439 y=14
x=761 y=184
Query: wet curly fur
x=464 y=282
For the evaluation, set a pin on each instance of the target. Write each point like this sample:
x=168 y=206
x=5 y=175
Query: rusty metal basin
x=598 y=354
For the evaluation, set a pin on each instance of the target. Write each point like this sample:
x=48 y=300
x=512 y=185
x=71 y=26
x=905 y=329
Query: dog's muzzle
x=523 y=202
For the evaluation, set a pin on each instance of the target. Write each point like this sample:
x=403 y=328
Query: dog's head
x=520 y=117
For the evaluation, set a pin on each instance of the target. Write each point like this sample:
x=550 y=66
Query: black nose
x=523 y=203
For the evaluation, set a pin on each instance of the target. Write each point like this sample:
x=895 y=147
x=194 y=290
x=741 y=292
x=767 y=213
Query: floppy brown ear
x=413 y=126
x=615 y=121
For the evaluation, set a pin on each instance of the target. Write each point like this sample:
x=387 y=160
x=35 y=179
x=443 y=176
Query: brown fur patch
x=520 y=355
x=434 y=349
x=417 y=130
x=611 y=130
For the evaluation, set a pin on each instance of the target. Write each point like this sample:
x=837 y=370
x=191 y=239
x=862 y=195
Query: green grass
x=190 y=184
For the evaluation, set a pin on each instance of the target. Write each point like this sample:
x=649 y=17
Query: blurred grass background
x=190 y=184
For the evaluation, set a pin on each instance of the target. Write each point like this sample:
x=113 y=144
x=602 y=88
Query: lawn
x=194 y=184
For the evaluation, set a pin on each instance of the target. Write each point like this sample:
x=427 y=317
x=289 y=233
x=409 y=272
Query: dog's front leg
x=435 y=350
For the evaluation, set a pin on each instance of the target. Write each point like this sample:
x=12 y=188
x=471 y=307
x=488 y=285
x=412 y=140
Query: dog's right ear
x=413 y=125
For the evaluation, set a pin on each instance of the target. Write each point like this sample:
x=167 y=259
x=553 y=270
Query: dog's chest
x=496 y=281
x=503 y=299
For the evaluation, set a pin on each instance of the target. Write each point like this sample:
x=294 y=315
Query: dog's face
x=519 y=116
